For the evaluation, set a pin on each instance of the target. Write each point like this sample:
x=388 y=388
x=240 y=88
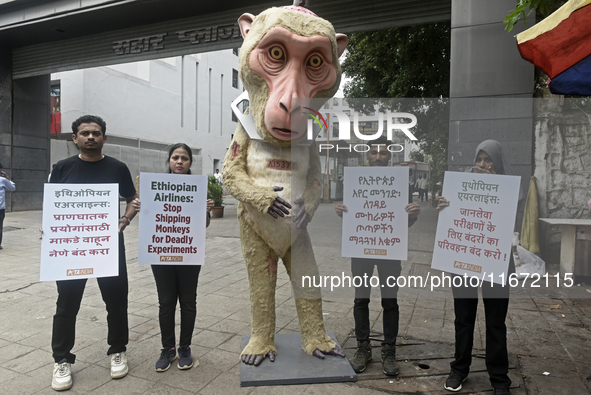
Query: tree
x=543 y=8
x=417 y=156
x=411 y=61
x=406 y=62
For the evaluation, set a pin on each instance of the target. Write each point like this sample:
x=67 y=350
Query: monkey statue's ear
x=342 y=41
x=245 y=21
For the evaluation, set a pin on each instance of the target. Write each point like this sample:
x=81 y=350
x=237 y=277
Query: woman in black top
x=488 y=160
x=177 y=282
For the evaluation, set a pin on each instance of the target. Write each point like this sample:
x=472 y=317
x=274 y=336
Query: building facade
x=150 y=105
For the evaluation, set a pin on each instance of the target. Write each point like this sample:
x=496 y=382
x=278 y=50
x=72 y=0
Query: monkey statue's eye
x=276 y=52
x=315 y=61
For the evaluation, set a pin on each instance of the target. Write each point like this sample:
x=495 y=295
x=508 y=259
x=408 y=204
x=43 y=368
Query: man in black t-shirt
x=92 y=167
x=378 y=155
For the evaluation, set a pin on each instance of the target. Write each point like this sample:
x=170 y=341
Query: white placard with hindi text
x=474 y=233
x=80 y=231
x=376 y=223
x=172 y=219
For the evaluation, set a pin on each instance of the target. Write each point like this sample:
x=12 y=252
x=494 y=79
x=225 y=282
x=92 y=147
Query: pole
x=326 y=189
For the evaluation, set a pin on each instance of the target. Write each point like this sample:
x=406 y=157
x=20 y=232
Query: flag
x=560 y=45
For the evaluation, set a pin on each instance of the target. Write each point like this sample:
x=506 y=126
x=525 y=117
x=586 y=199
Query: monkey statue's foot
x=256 y=359
x=337 y=351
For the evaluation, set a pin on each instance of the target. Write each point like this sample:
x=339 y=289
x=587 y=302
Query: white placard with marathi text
x=172 y=219
x=376 y=223
x=80 y=231
x=474 y=233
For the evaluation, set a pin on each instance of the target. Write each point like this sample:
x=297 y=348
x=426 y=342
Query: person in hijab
x=488 y=160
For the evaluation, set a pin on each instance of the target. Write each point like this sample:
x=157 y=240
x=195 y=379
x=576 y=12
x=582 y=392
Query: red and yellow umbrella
x=560 y=45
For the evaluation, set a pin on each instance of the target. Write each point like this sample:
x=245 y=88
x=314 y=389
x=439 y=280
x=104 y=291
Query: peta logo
x=79 y=272
x=393 y=122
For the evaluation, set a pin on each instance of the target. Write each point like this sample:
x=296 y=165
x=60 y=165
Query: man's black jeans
x=386 y=269
x=114 y=293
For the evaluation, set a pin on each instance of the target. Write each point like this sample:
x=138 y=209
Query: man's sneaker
x=454 y=382
x=502 y=391
x=119 y=367
x=389 y=360
x=185 y=359
x=362 y=356
x=166 y=358
x=62 y=377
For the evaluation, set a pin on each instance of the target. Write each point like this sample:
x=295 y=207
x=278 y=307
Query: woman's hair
x=174 y=148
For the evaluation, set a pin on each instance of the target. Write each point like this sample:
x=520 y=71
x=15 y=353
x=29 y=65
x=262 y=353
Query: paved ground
x=541 y=338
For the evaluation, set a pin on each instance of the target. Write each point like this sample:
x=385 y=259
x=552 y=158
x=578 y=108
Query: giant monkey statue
x=288 y=53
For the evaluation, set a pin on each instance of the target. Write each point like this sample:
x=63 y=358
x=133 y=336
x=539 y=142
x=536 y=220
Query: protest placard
x=474 y=233
x=172 y=219
x=375 y=224
x=80 y=231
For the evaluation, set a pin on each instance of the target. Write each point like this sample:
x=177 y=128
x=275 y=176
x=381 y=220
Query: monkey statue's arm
x=240 y=185
x=310 y=200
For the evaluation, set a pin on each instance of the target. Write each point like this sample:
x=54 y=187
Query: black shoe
x=361 y=357
x=454 y=382
x=389 y=360
x=166 y=357
x=502 y=391
x=185 y=359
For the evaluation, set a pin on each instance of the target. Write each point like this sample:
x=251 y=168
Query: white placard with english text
x=172 y=219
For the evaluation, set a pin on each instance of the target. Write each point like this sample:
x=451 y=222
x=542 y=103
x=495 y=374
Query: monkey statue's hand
x=301 y=218
x=256 y=359
x=279 y=207
x=335 y=351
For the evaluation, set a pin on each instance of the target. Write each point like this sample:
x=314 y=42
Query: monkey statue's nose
x=291 y=107
x=294 y=96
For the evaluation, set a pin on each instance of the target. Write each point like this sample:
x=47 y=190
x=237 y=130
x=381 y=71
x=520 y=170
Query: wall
x=139 y=155
x=24 y=144
x=562 y=163
x=491 y=87
x=6 y=116
x=30 y=141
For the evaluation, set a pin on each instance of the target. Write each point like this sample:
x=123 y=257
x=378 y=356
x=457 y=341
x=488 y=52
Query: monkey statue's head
x=288 y=53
